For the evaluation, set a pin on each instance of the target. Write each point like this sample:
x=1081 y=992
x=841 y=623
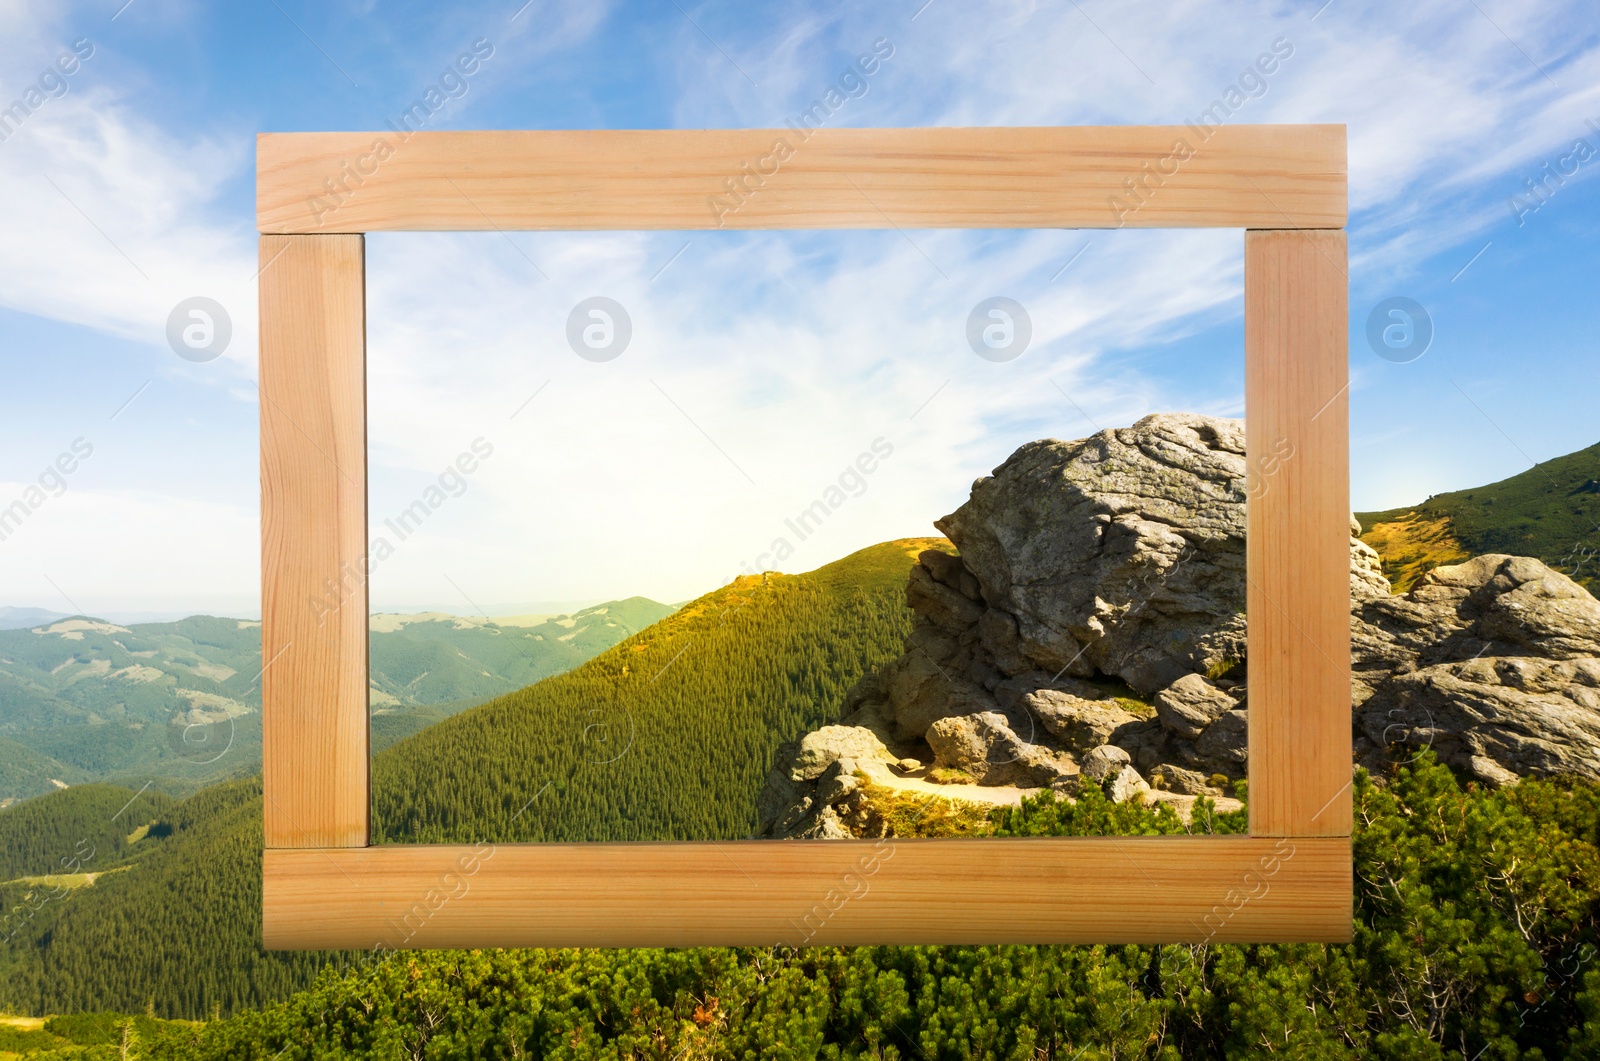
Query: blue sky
x=762 y=365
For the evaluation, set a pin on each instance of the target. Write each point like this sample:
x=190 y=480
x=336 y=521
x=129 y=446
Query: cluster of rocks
x=1092 y=625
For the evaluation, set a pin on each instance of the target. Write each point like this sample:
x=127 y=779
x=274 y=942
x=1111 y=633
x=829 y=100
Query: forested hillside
x=666 y=736
x=685 y=712
x=41 y=836
x=172 y=922
x=440 y=659
x=1476 y=930
x=1475 y=937
x=108 y=701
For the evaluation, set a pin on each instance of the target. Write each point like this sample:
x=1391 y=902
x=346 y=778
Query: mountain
x=425 y=668
x=17 y=618
x=84 y=699
x=1551 y=512
x=433 y=658
x=107 y=701
x=169 y=915
x=694 y=704
x=664 y=736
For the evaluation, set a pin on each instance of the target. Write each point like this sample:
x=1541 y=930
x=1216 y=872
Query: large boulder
x=1116 y=564
x=812 y=776
x=1119 y=554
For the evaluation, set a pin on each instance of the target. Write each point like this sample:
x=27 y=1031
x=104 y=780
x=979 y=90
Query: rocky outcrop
x=1092 y=622
x=1493 y=663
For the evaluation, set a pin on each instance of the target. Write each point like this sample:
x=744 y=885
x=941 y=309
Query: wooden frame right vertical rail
x=1297 y=453
x=314 y=541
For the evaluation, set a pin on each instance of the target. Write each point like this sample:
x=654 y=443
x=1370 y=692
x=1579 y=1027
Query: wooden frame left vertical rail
x=314 y=534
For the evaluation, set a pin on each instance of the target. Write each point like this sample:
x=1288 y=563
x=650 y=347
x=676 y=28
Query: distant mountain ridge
x=82 y=699
x=22 y=618
x=1551 y=512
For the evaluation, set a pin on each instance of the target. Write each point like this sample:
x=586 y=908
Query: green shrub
x=1475 y=937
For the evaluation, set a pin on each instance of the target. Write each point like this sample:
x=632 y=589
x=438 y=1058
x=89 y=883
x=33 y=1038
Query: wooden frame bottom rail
x=1037 y=890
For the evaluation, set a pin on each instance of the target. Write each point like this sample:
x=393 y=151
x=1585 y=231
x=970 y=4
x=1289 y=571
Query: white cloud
x=77 y=552
x=792 y=352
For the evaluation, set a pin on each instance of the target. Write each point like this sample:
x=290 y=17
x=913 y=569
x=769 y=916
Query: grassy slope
x=1551 y=512
x=666 y=736
x=179 y=929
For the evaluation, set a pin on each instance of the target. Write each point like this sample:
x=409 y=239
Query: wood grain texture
x=1240 y=176
x=314 y=541
x=1298 y=548
x=1069 y=890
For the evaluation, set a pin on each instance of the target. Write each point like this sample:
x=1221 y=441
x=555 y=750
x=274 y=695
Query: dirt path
x=1011 y=796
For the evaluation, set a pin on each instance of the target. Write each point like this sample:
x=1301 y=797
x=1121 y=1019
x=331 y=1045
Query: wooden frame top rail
x=1152 y=176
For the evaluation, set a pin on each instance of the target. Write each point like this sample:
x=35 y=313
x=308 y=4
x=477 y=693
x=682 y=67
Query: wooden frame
x=323 y=886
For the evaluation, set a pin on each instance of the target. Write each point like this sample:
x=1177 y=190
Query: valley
x=178 y=704
x=637 y=721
